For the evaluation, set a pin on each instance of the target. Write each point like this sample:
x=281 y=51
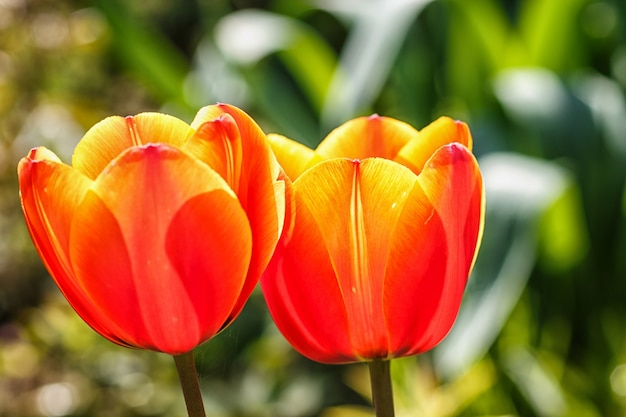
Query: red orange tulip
x=383 y=229
x=159 y=230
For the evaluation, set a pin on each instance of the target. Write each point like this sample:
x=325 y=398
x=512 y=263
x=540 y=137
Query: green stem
x=382 y=394
x=186 y=367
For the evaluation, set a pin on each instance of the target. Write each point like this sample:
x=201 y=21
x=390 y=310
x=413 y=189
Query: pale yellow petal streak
x=342 y=197
x=357 y=229
x=232 y=172
x=132 y=130
x=361 y=289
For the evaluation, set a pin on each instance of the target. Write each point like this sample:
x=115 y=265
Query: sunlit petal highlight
x=441 y=132
x=367 y=137
x=293 y=156
x=110 y=137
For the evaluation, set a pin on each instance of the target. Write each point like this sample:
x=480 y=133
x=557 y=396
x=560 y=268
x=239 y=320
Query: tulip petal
x=380 y=188
x=416 y=273
x=335 y=194
x=379 y=192
x=211 y=259
x=110 y=137
x=261 y=188
x=293 y=156
x=50 y=191
x=366 y=137
x=150 y=195
x=218 y=144
x=453 y=185
x=301 y=290
x=437 y=134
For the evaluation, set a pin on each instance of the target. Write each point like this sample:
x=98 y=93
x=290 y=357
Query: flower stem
x=382 y=395
x=186 y=367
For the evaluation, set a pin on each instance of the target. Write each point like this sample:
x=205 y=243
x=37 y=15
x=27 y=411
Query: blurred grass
x=541 y=84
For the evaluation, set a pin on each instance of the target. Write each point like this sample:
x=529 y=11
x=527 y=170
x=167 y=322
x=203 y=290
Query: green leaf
x=146 y=52
x=549 y=30
x=563 y=240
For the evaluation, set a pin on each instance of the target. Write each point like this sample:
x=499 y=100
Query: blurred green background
x=542 y=83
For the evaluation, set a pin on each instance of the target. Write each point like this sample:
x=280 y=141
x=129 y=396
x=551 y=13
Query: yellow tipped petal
x=453 y=184
x=293 y=156
x=367 y=137
x=42 y=154
x=437 y=134
x=207 y=114
x=217 y=143
x=260 y=182
x=110 y=137
x=245 y=123
x=50 y=192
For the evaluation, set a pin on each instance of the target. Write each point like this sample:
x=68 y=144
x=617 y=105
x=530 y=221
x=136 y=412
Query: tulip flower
x=159 y=231
x=383 y=229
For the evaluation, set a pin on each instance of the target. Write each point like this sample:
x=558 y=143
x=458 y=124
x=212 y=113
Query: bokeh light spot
x=58 y=399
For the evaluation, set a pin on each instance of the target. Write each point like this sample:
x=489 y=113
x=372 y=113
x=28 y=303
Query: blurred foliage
x=541 y=84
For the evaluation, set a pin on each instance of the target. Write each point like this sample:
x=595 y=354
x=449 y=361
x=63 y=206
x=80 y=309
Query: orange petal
x=362 y=210
x=217 y=143
x=169 y=232
x=50 y=192
x=261 y=191
x=251 y=134
x=254 y=142
x=416 y=273
x=437 y=134
x=209 y=113
x=110 y=137
x=302 y=293
x=211 y=257
x=453 y=185
x=366 y=137
x=293 y=156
